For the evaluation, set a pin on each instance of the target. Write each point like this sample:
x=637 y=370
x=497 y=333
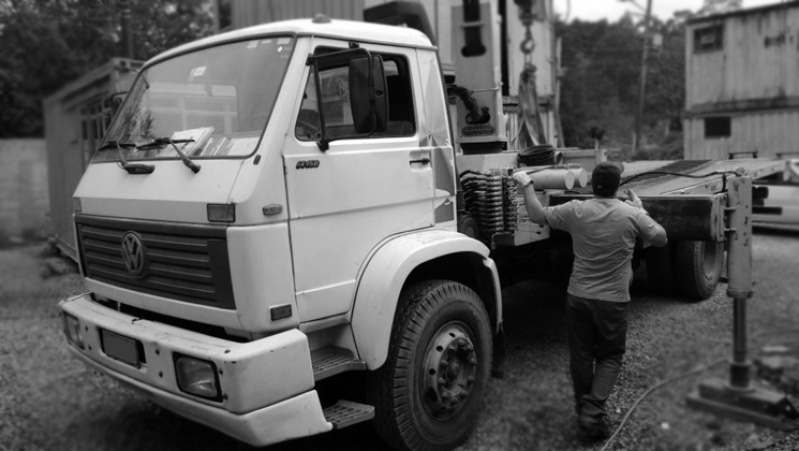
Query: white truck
x=279 y=205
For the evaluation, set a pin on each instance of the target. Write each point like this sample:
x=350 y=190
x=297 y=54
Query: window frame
x=716 y=124
x=403 y=67
x=715 y=30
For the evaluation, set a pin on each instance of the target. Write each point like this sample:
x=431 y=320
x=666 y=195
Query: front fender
x=380 y=285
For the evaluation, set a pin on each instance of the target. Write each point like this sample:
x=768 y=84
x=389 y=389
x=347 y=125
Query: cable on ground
x=700 y=369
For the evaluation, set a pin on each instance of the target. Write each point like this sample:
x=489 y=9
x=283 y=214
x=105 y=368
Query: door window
x=337 y=108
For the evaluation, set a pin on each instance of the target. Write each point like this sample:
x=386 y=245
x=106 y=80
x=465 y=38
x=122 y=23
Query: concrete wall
x=23 y=187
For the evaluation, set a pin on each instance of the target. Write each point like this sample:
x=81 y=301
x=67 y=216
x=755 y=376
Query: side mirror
x=368 y=100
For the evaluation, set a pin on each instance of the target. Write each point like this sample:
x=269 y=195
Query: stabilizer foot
x=763 y=407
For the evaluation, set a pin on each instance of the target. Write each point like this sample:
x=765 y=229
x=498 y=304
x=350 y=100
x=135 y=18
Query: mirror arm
x=323 y=143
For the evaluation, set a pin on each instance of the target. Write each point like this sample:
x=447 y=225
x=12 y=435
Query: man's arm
x=652 y=232
x=534 y=208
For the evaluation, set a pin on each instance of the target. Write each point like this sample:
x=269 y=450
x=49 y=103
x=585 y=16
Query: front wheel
x=429 y=391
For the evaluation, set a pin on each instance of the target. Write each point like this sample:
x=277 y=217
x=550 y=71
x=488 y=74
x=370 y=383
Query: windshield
x=221 y=97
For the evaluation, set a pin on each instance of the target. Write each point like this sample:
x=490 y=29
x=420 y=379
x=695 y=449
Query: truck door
x=347 y=199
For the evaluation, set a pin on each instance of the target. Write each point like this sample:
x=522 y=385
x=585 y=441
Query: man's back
x=603 y=233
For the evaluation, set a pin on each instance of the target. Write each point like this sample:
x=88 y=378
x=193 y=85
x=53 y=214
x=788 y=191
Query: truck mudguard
x=385 y=274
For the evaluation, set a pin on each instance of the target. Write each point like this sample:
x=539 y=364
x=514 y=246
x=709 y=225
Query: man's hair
x=606 y=178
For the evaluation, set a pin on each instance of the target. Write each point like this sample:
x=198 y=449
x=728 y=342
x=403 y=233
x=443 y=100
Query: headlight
x=197 y=377
x=72 y=330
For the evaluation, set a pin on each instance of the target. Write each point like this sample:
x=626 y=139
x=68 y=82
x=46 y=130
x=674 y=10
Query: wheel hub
x=450 y=367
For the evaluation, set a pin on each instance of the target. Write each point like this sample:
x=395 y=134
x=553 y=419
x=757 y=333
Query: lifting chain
x=527 y=46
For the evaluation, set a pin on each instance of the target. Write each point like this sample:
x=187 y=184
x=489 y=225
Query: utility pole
x=639 y=117
x=127 y=32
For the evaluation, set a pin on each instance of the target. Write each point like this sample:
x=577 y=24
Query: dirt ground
x=49 y=401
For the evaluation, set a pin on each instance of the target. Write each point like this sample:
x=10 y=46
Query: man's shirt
x=603 y=232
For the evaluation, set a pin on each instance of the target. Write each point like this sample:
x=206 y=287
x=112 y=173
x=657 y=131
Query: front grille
x=184 y=262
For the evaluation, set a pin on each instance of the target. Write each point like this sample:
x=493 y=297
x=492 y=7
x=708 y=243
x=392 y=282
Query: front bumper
x=267 y=384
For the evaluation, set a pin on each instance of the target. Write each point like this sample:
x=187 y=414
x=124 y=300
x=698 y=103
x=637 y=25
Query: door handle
x=421 y=161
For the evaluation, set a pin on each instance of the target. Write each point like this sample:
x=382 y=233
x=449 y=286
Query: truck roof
x=329 y=28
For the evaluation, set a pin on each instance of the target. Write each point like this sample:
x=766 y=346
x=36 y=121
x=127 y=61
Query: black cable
x=540 y=155
x=681 y=376
x=677 y=174
x=477 y=114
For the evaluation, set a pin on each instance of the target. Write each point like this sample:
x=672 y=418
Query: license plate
x=121 y=348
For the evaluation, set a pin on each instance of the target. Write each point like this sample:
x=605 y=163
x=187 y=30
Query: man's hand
x=635 y=201
x=522 y=179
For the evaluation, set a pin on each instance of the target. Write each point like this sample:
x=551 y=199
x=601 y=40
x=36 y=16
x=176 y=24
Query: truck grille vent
x=184 y=262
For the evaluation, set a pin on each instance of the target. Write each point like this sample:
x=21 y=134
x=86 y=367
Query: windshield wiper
x=195 y=168
x=132 y=168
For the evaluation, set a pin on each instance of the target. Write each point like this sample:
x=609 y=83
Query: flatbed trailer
x=687 y=197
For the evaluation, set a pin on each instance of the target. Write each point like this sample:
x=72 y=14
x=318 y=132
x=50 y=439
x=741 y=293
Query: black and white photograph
x=409 y=225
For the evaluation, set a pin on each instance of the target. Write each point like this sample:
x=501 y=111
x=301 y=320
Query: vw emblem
x=133 y=253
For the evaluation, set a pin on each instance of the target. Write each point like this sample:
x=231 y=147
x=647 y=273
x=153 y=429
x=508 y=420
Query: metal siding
x=750 y=65
x=253 y=12
x=770 y=133
x=759 y=61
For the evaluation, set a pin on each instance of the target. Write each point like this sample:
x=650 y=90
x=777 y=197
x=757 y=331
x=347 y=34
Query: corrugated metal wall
x=246 y=13
x=753 y=79
x=759 y=58
x=768 y=133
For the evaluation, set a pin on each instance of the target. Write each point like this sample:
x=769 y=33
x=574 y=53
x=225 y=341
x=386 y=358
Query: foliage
x=599 y=92
x=47 y=43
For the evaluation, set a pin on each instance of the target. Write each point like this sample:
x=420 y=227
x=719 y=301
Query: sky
x=611 y=10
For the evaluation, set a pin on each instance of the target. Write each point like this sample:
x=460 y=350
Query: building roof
x=333 y=28
x=744 y=12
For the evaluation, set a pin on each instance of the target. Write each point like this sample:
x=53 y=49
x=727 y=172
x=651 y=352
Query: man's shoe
x=590 y=433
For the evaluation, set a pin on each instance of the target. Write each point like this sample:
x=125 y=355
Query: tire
x=468 y=226
x=697 y=267
x=660 y=268
x=428 y=393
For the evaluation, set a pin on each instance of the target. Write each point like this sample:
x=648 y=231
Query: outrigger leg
x=738 y=398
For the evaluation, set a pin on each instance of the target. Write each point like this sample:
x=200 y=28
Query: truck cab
x=277 y=205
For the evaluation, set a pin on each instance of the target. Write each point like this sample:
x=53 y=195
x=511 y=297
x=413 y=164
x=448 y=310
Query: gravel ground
x=48 y=401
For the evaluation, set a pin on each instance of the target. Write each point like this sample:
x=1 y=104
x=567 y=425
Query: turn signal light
x=197 y=377
x=221 y=213
x=72 y=330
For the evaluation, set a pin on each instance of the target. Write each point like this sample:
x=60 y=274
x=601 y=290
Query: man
x=603 y=230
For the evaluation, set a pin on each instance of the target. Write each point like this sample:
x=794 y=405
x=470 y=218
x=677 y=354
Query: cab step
x=346 y=413
x=332 y=360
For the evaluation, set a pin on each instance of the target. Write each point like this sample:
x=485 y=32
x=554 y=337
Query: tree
x=599 y=91
x=47 y=43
